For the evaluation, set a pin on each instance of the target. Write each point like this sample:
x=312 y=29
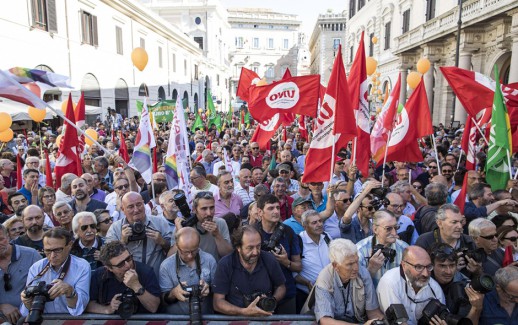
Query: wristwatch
x=140 y=291
x=73 y=295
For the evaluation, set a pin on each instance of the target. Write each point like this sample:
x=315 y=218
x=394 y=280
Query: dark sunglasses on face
x=128 y=259
x=121 y=187
x=92 y=226
x=513 y=239
x=370 y=207
x=350 y=200
x=106 y=221
x=489 y=237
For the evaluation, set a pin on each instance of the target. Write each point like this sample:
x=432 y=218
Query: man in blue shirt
x=30 y=188
x=501 y=305
x=299 y=206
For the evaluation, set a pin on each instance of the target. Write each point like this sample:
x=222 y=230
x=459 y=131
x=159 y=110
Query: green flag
x=212 y=116
x=497 y=163
x=228 y=117
x=247 y=119
x=198 y=123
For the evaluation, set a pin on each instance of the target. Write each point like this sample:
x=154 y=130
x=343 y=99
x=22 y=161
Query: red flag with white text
x=265 y=130
x=246 y=80
x=302 y=127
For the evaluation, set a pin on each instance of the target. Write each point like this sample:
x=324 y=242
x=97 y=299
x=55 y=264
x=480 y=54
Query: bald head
x=440 y=179
x=187 y=236
x=416 y=255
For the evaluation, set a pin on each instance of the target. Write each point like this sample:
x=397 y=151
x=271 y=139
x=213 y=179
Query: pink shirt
x=221 y=208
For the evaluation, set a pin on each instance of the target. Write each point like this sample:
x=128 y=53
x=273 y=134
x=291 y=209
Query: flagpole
x=460 y=158
x=509 y=162
x=332 y=158
x=515 y=174
x=436 y=154
x=385 y=159
x=479 y=130
x=355 y=138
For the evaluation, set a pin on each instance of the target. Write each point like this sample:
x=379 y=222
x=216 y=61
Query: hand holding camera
x=476 y=299
x=282 y=256
x=376 y=261
x=114 y=303
x=60 y=288
x=253 y=310
x=179 y=293
x=126 y=233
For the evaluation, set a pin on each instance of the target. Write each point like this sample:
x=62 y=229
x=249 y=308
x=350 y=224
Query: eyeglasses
x=432 y=167
x=49 y=196
x=368 y=207
x=62 y=213
x=417 y=187
x=91 y=226
x=128 y=259
x=107 y=221
x=121 y=187
x=347 y=200
x=340 y=163
x=7 y=282
x=488 y=237
x=513 y=239
x=55 y=250
x=397 y=206
x=420 y=268
x=447 y=171
x=254 y=148
x=390 y=228
x=204 y=195
x=284 y=172
x=185 y=253
x=509 y=296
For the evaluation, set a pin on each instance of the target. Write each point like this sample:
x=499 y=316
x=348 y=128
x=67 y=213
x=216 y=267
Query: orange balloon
x=92 y=133
x=371 y=65
x=413 y=79
x=261 y=82
x=423 y=65
x=64 y=105
x=374 y=40
x=6 y=135
x=36 y=114
x=58 y=139
x=5 y=121
x=139 y=58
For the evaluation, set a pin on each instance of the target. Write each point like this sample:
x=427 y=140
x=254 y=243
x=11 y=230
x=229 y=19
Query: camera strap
x=61 y=275
x=264 y=265
x=198 y=267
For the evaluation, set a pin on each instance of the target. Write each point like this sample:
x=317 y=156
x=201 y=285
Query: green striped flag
x=212 y=116
x=497 y=164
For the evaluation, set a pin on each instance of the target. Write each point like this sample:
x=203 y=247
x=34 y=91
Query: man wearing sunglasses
x=256 y=158
x=15 y=261
x=410 y=284
x=501 y=305
x=121 y=273
x=484 y=235
x=482 y=202
x=87 y=244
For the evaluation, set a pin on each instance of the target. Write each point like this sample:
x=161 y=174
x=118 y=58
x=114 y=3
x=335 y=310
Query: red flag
x=19 y=167
x=468 y=142
x=155 y=163
x=48 y=171
x=508 y=256
x=246 y=80
x=287 y=74
x=413 y=122
x=359 y=87
x=123 y=150
x=68 y=160
x=80 y=111
x=265 y=131
x=388 y=122
x=460 y=201
x=302 y=127
x=297 y=95
x=336 y=102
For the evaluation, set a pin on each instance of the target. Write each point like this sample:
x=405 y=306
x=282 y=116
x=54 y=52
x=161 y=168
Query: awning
x=19 y=111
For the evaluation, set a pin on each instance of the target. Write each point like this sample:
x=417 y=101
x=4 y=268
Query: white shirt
x=213 y=188
x=245 y=196
x=315 y=258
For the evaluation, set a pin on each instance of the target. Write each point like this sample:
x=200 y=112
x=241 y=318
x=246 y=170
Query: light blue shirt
x=294 y=224
x=314 y=258
x=78 y=276
x=404 y=222
x=332 y=226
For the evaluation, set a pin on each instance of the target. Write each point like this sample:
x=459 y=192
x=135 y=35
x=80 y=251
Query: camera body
x=138 y=229
x=194 y=303
x=267 y=303
x=379 y=199
x=483 y=283
x=129 y=304
x=272 y=245
x=40 y=295
x=435 y=307
x=479 y=255
x=387 y=251
x=190 y=220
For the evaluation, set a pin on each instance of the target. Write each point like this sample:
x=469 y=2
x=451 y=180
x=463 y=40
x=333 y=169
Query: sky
x=307 y=10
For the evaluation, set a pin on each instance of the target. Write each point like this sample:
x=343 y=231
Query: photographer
x=406 y=231
x=122 y=281
x=214 y=235
x=283 y=243
x=461 y=298
x=247 y=276
x=356 y=224
x=501 y=305
x=189 y=269
x=64 y=278
x=382 y=251
x=148 y=238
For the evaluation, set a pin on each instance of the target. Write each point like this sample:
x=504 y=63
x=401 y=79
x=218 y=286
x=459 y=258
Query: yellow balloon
x=92 y=133
x=6 y=135
x=139 y=58
x=261 y=82
x=58 y=140
x=371 y=65
x=64 y=105
x=413 y=79
x=374 y=40
x=423 y=65
x=36 y=114
x=5 y=121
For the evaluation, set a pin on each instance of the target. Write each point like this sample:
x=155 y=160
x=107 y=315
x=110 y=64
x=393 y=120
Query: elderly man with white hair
x=484 y=236
x=87 y=244
x=344 y=289
x=207 y=160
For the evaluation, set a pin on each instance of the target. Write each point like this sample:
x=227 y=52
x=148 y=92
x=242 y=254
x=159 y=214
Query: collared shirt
x=99 y=195
x=294 y=186
x=25 y=192
x=358 y=186
x=409 y=209
x=22 y=258
x=365 y=252
x=61 y=196
x=246 y=196
x=314 y=258
x=168 y=280
x=493 y=313
x=91 y=206
x=301 y=162
x=332 y=226
x=404 y=222
x=391 y=290
x=340 y=302
x=208 y=166
x=322 y=206
x=294 y=224
x=221 y=207
x=233 y=281
x=154 y=254
x=78 y=276
x=354 y=231
x=87 y=253
x=256 y=161
x=209 y=188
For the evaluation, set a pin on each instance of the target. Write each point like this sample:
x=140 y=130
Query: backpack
x=422 y=212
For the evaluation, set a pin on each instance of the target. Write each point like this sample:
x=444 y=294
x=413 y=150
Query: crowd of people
x=257 y=240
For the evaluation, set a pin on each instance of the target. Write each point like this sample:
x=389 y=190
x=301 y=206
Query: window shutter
x=52 y=21
x=95 y=38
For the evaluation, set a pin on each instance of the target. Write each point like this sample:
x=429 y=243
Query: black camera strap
x=264 y=265
x=61 y=275
x=198 y=267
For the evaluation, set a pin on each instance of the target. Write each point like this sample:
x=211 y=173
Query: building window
x=351 y=54
x=44 y=15
x=255 y=43
x=118 y=40
x=239 y=42
x=185 y=67
x=199 y=40
x=195 y=72
x=406 y=21
x=270 y=72
x=270 y=43
x=217 y=79
x=174 y=62
x=371 y=45
x=387 y=36
x=255 y=68
x=361 y=4
x=352 y=8
x=336 y=43
x=285 y=43
x=160 y=57
x=142 y=43
x=89 y=28
x=430 y=9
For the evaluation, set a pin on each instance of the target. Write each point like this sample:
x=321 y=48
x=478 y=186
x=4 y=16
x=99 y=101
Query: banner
x=162 y=111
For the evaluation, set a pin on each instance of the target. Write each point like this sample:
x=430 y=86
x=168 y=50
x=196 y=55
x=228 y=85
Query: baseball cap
x=283 y=167
x=299 y=201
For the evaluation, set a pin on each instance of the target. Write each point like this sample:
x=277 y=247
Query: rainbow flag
x=144 y=142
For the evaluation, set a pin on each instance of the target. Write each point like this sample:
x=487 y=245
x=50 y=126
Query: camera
x=379 y=199
x=434 y=307
x=138 y=229
x=482 y=283
x=394 y=315
x=181 y=202
x=129 y=304
x=272 y=245
x=479 y=255
x=387 y=251
x=40 y=295
x=194 y=304
x=267 y=303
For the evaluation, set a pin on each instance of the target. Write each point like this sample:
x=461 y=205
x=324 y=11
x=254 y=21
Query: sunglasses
x=91 y=226
x=340 y=163
x=513 y=239
x=121 y=187
x=7 y=282
x=390 y=228
x=347 y=200
x=489 y=237
x=417 y=187
x=107 y=221
x=370 y=207
x=128 y=259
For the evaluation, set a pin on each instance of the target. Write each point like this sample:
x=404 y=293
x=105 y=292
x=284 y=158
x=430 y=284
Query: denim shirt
x=354 y=231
